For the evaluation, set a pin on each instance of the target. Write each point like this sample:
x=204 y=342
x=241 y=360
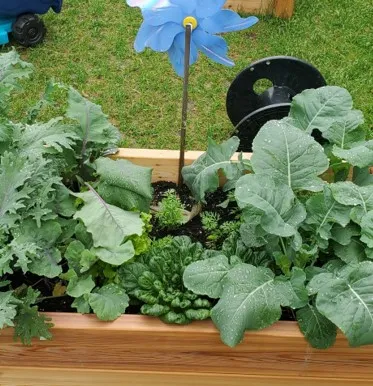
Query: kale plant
x=309 y=208
x=68 y=217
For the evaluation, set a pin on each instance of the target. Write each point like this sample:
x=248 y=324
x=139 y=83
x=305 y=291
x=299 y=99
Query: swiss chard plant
x=309 y=208
x=68 y=217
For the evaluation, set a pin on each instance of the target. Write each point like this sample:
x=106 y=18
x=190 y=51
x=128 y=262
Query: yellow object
x=190 y=20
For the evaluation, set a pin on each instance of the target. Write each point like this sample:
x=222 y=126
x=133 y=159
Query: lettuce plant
x=315 y=225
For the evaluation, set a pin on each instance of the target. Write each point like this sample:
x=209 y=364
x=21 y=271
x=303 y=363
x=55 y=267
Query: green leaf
x=348 y=303
x=362 y=177
x=202 y=176
x=281 y=212
x=124 y=184
x=45 y=262
x=81 y=304
x=108 y=224
x=8 y=309
x=40 y=138
x=80 y=285
x=354 y=252
x=320 y=108
x=360 y=197
x=14 y=172
x=346 y=131
x=63 y=203
x=323 y=211
x=206 y=277
x=109 y=302
x=342 y=235
x=293 y=289
x=116 y=255
x=367 y=229
x=249 y=301
x=290 y=156
x=94 y=127
x=30 y=324
x=318 y=330
x=360 y=155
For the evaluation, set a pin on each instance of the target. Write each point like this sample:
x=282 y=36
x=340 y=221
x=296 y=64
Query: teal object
x=5 y=29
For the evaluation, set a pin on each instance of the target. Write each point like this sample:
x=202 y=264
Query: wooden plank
x=143 y=344
x=251 y=6
x=26 y=376
x=284 y=8
x=165 y=163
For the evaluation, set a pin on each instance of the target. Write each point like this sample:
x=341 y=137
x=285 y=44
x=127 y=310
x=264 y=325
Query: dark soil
x=193 y=228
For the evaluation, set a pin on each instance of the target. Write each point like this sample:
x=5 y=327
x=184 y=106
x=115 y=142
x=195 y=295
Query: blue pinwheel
x=163 y=28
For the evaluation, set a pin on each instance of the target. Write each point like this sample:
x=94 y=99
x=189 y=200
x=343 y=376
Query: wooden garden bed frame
x=142 y=351
x=279 y=8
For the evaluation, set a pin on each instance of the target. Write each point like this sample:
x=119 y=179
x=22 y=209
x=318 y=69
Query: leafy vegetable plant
x=68 y=217
x=314 y=225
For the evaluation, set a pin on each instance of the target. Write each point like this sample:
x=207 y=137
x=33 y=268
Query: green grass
x=90 y=46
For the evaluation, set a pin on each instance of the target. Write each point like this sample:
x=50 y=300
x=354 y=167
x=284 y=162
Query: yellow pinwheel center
x=190 y=20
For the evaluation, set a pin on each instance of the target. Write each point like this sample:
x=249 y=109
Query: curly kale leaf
x=29 y=323
x=157 y=281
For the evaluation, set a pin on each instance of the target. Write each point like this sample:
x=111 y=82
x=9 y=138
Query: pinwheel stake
x=182 y=28
x=184 y=114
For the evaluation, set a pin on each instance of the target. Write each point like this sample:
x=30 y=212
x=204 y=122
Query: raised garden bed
x=143 y=351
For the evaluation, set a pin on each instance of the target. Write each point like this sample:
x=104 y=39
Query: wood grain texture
x=26 y=376
x=143 y=344
x=284 y=8
x=280 y=8
x=165 y=163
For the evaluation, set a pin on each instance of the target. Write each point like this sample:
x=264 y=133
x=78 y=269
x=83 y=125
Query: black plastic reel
x=29 y=30
x=249 y=110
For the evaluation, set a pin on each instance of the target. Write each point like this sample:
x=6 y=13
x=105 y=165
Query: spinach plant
x=310 y=209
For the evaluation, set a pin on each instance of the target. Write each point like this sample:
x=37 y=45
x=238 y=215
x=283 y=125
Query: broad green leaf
x=130 y=274
x=249 y=301
x=290 y=156
x=320 y=108
x=81 y=304
x=108 y=224
x=318 y=330
x=8 y=309
x=342 y=235
x=94 y=126
x=80 y=285
x=73 y=255
x=360 y=155
x=14 y=172
x=354 y=252
x=359 y=197
x=281 y=212
x=203 y=177
x=13 y=68
x=116 y=255
x=362 y=177
x=293 y=289
x=40 y=138
x=367 y=229
x=348 y=303
x=63 y=203
x=124 y=184
x=323 y=211
x=346 y=131
x=206 y=277
x=109 y=302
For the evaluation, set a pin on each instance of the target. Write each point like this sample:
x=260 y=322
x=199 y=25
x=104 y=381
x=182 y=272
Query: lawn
x=90 y=46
